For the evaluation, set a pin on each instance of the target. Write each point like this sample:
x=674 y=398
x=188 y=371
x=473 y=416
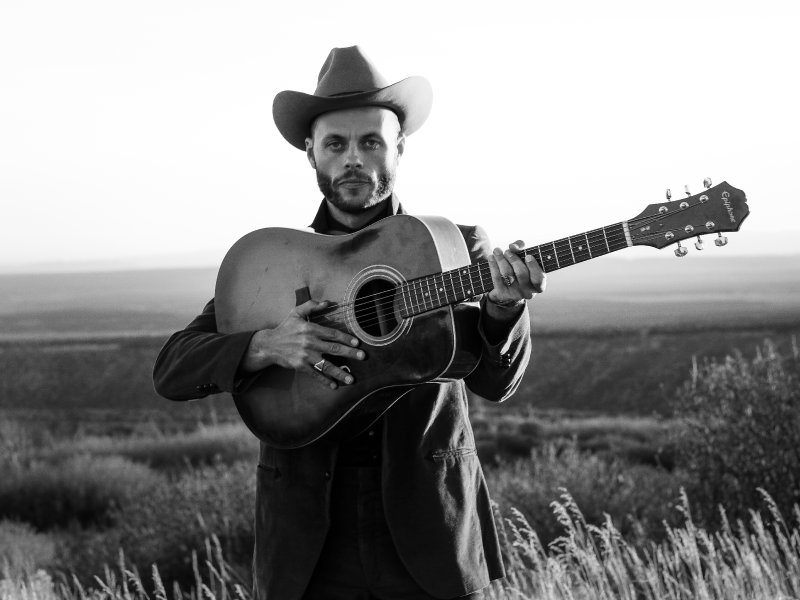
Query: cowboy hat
x=348 y=79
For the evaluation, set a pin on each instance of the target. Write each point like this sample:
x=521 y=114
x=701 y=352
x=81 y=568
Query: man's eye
x=372 y=143
x=335 y=145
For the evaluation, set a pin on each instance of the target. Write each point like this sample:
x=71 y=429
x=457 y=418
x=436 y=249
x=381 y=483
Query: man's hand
x=299 y=344
x=525 y=276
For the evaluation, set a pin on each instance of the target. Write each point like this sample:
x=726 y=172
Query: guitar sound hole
x=374 y=307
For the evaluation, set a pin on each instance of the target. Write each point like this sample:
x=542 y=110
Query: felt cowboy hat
x=348 y=79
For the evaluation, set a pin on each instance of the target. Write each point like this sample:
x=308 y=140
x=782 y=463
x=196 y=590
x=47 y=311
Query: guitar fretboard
x=450 y=287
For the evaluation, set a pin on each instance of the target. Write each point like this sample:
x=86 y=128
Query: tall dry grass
x=757 y=561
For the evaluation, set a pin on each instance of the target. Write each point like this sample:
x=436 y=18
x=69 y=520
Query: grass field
x=92 y=460
x=623 y=532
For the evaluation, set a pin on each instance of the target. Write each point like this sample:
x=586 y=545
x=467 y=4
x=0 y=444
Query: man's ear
x=310 y=152
x=401 y=145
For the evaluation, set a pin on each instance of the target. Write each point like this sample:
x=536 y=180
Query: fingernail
x=528 y=258
x=333 y=386
x=360 y=355
x=498 y=252
x=491 y=258
x=509 y=253
x=348 y=379
x=354 y=342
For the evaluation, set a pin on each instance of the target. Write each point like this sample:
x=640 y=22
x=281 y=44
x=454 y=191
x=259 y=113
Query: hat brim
x=294 y=112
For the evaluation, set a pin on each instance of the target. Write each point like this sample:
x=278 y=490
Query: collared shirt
x=324 y=223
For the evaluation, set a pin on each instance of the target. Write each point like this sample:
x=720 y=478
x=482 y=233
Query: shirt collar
x=320 y=222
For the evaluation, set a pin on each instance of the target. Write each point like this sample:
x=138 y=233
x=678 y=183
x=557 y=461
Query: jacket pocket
x=275 y=472
x=454 y=453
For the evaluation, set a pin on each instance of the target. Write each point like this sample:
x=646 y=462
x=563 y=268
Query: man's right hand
x=299 y=344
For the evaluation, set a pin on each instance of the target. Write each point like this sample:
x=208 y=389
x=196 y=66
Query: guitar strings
x=563 y=243
x=526 y=251
x=558 y=245
x=386 y=299
x=612 y=239
x=415 y=302
x=482 y=270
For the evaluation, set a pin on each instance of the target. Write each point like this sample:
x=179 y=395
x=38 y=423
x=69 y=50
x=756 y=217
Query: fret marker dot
x=580 y=247
x=549 y=257
x=441 y=290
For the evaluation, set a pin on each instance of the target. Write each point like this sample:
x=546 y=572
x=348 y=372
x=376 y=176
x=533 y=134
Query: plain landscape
x=92 y=456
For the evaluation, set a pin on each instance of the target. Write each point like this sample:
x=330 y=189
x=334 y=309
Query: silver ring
x=508 y=280
x=320 y=365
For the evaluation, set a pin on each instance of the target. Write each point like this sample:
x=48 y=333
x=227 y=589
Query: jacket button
x=327 y=475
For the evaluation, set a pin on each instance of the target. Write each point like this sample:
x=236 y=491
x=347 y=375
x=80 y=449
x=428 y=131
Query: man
x=402 y=510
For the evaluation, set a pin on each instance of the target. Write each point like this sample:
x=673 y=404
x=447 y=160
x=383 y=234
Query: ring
x=507 y=279
x=320 y=365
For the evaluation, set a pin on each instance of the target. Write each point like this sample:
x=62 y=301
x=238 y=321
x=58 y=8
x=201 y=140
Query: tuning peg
x=686 y=189
x=721 y=240
x=699 y=243
x=669 y=195
x=680 y=251
x=707 y=182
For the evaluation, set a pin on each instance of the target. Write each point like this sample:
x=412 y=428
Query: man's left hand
x=513 y=277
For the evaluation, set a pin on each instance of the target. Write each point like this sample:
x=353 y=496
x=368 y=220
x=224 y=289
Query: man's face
x=355 y=153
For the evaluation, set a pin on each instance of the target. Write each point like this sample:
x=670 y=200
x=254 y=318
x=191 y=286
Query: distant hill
x=607 y=293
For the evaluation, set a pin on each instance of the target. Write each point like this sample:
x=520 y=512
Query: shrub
x=206 y=445
x=637 y=497
x=23 y=551
x=82 y=489
x=742 y=432
x=173 y=520
x=636 y=439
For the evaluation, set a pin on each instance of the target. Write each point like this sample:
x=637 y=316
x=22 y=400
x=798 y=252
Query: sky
x=141 y=134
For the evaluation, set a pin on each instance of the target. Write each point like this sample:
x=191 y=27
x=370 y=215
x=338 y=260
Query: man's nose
x=352 y=159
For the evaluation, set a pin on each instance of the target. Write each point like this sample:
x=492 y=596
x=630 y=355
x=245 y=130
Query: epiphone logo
x=727 y=203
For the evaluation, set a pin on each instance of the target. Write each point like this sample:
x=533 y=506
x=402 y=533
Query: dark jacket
x=435 y=496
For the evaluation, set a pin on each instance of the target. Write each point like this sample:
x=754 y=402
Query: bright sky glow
x=143 y=129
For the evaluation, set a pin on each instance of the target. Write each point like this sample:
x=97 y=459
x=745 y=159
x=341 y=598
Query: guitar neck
x=442 y=289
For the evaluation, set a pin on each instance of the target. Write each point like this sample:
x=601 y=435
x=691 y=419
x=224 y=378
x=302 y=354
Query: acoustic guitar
x=402 y=286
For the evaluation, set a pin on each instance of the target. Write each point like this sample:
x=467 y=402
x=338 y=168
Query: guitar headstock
x=714 y=210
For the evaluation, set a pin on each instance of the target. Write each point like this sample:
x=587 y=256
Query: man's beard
x=380 y=192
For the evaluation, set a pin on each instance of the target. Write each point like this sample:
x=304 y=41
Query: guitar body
x=267 y=272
